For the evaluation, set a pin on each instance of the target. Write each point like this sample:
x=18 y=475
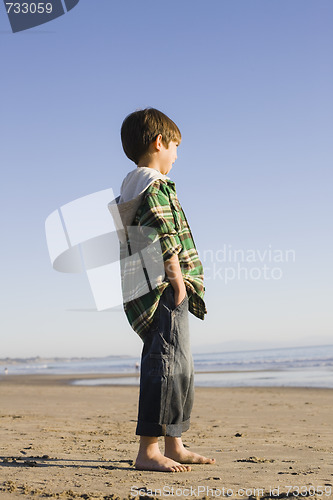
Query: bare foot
x=175 y=450
x=159 y=462
x=151 y=458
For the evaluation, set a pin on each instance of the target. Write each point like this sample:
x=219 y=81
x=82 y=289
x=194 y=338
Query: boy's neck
x=150 y=164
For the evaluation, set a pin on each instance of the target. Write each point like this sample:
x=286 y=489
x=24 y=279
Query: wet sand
x=58 y=440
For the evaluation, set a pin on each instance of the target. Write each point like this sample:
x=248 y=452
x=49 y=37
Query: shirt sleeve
x=156 y=212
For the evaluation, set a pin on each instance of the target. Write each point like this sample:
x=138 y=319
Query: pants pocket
x=181 y=305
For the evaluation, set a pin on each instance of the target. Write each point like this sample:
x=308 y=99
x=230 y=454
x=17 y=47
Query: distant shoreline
x=298 y=367
x=71 y=379
x=214 y=349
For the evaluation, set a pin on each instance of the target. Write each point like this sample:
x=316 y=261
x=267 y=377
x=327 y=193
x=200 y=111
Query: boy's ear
x=158 y=142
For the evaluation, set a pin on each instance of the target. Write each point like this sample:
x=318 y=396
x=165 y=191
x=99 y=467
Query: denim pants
x=166 y=379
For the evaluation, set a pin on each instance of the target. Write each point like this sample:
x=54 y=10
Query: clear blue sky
x=250 y=86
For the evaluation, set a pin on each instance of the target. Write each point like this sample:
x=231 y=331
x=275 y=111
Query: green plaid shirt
x=161 y=210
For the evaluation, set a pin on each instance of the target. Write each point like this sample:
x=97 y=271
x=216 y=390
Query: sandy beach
x=63 y=441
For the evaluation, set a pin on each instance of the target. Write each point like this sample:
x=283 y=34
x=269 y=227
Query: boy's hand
x=173 y=271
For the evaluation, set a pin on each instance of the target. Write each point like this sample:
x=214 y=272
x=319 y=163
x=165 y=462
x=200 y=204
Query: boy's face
x=167 y=157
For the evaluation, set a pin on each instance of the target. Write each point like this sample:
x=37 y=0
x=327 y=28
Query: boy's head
x=141 y=128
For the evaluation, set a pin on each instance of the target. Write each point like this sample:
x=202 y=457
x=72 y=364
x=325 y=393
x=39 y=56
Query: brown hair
x=140 y=129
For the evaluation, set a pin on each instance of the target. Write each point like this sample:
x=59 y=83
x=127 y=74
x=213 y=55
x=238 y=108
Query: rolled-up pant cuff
x=172 y=430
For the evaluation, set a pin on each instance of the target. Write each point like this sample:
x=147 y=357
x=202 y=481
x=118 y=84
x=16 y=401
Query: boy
x=159 y=313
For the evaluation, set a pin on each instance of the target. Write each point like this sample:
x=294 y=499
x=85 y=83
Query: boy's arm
x=156 y=212
x=173 y=271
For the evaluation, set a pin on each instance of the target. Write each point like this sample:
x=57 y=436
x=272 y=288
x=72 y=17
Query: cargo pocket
x=159 y=364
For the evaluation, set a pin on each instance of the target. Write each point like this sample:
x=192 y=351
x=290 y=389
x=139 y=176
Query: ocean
x=310 y=366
